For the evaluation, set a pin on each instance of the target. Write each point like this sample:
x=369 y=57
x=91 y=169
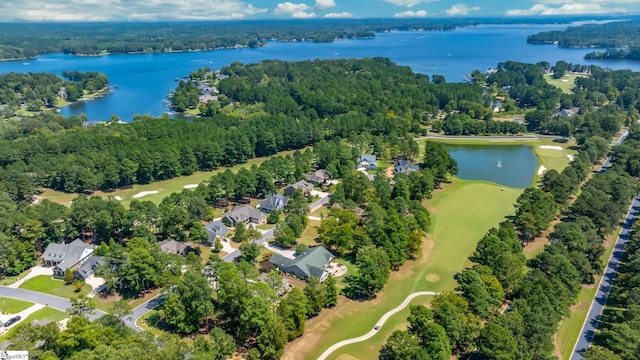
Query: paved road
x=142 y=309
x=595 y=311
x=380 y=323
x=52 y=301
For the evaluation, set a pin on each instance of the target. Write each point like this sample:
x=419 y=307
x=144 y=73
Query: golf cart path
x=380 y=323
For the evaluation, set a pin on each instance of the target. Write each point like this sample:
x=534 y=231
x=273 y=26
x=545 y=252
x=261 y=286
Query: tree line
x=616 y=34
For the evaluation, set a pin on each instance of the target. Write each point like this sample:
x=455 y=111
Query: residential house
x=175 y=247
x=216 y=230
x=89 y=267
x=369 y=162
x=567 y=112
x=244 y=214
x=318 y=177
x=273 y=202
x=306 y=188
x=312 y=262
x=282 y=288
x=404 y=167
x=66 y=256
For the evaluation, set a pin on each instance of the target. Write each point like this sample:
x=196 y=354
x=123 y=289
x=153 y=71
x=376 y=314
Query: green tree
x=330 y=291
x=402 y=346
x=188 y=307
x=81 y=306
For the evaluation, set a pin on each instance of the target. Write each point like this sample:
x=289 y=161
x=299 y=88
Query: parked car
x=12 y=321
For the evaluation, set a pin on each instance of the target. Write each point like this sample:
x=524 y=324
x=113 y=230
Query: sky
x=163 y=10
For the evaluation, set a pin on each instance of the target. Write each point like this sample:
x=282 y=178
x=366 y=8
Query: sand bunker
x=117 y=198
x=564 y=80
x=191 y=186
x=551 y=147
x=571 y=157
x=144 y=193
x=541 y=169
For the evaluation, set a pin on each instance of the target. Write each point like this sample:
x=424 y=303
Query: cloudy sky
x=145 y=10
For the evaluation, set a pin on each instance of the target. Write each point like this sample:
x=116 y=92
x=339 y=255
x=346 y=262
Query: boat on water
x=499 y=163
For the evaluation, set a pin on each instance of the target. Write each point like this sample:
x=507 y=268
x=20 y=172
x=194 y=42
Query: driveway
x=276 y=249
x=35 y=271
x=23 y=314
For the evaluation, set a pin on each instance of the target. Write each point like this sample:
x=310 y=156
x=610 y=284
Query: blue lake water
x=509 y=165
x=144 y=79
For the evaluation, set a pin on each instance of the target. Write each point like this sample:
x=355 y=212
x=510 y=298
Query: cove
x=144 y=79
x=509 y=165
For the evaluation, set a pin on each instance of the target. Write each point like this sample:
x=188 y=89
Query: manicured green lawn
x=163 y=188
x=570 y=327
x=565 y=83
x=52 y=315
x=461 y=214
x=46 y=284
x=13 y=306
x=150 y=322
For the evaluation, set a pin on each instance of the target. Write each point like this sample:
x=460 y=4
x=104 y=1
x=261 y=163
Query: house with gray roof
x=310 y=263
x=66 y=256
x=175 y=247
x=368 y=162
x=404 y=167
x=216 y=230
x=89 y=267
x=304 y=186
x=244 y=214
x=273 y=202
x=318 y=177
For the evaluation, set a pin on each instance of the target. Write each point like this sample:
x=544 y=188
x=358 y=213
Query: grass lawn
x=151 y=323
x=565 y=83
x=482 y=206
x=46 y=284
x=107 y=304
x=163 y=188
x=310 y=233
x=570 y=327
x=52 y=315
x=11 y=279
x=13 y=306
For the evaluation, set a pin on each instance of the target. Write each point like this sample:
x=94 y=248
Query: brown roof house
x=306 y=188
x=318 y=177
x=175 y=247
x=66 y=256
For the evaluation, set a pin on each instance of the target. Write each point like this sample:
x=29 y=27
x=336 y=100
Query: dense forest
x=36 y=91
x=295 y=105
x=619 y=38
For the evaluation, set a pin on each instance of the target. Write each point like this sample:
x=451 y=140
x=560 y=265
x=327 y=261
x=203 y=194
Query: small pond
x=509 y=165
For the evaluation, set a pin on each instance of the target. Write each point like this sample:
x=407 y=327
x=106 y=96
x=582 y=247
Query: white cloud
x=290 y=8
x=303 y=15
x=342 y=15
x=572 y=7
x=411 y=13
x=408 y=3
x=107 y=10
x=461 y=9
x=325 y=4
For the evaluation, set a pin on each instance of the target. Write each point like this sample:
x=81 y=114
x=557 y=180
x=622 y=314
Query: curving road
x=151 y=304
x=380 y=323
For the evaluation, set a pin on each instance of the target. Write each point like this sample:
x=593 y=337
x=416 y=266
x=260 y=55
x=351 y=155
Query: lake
x=144 y=79
x=509 y=165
